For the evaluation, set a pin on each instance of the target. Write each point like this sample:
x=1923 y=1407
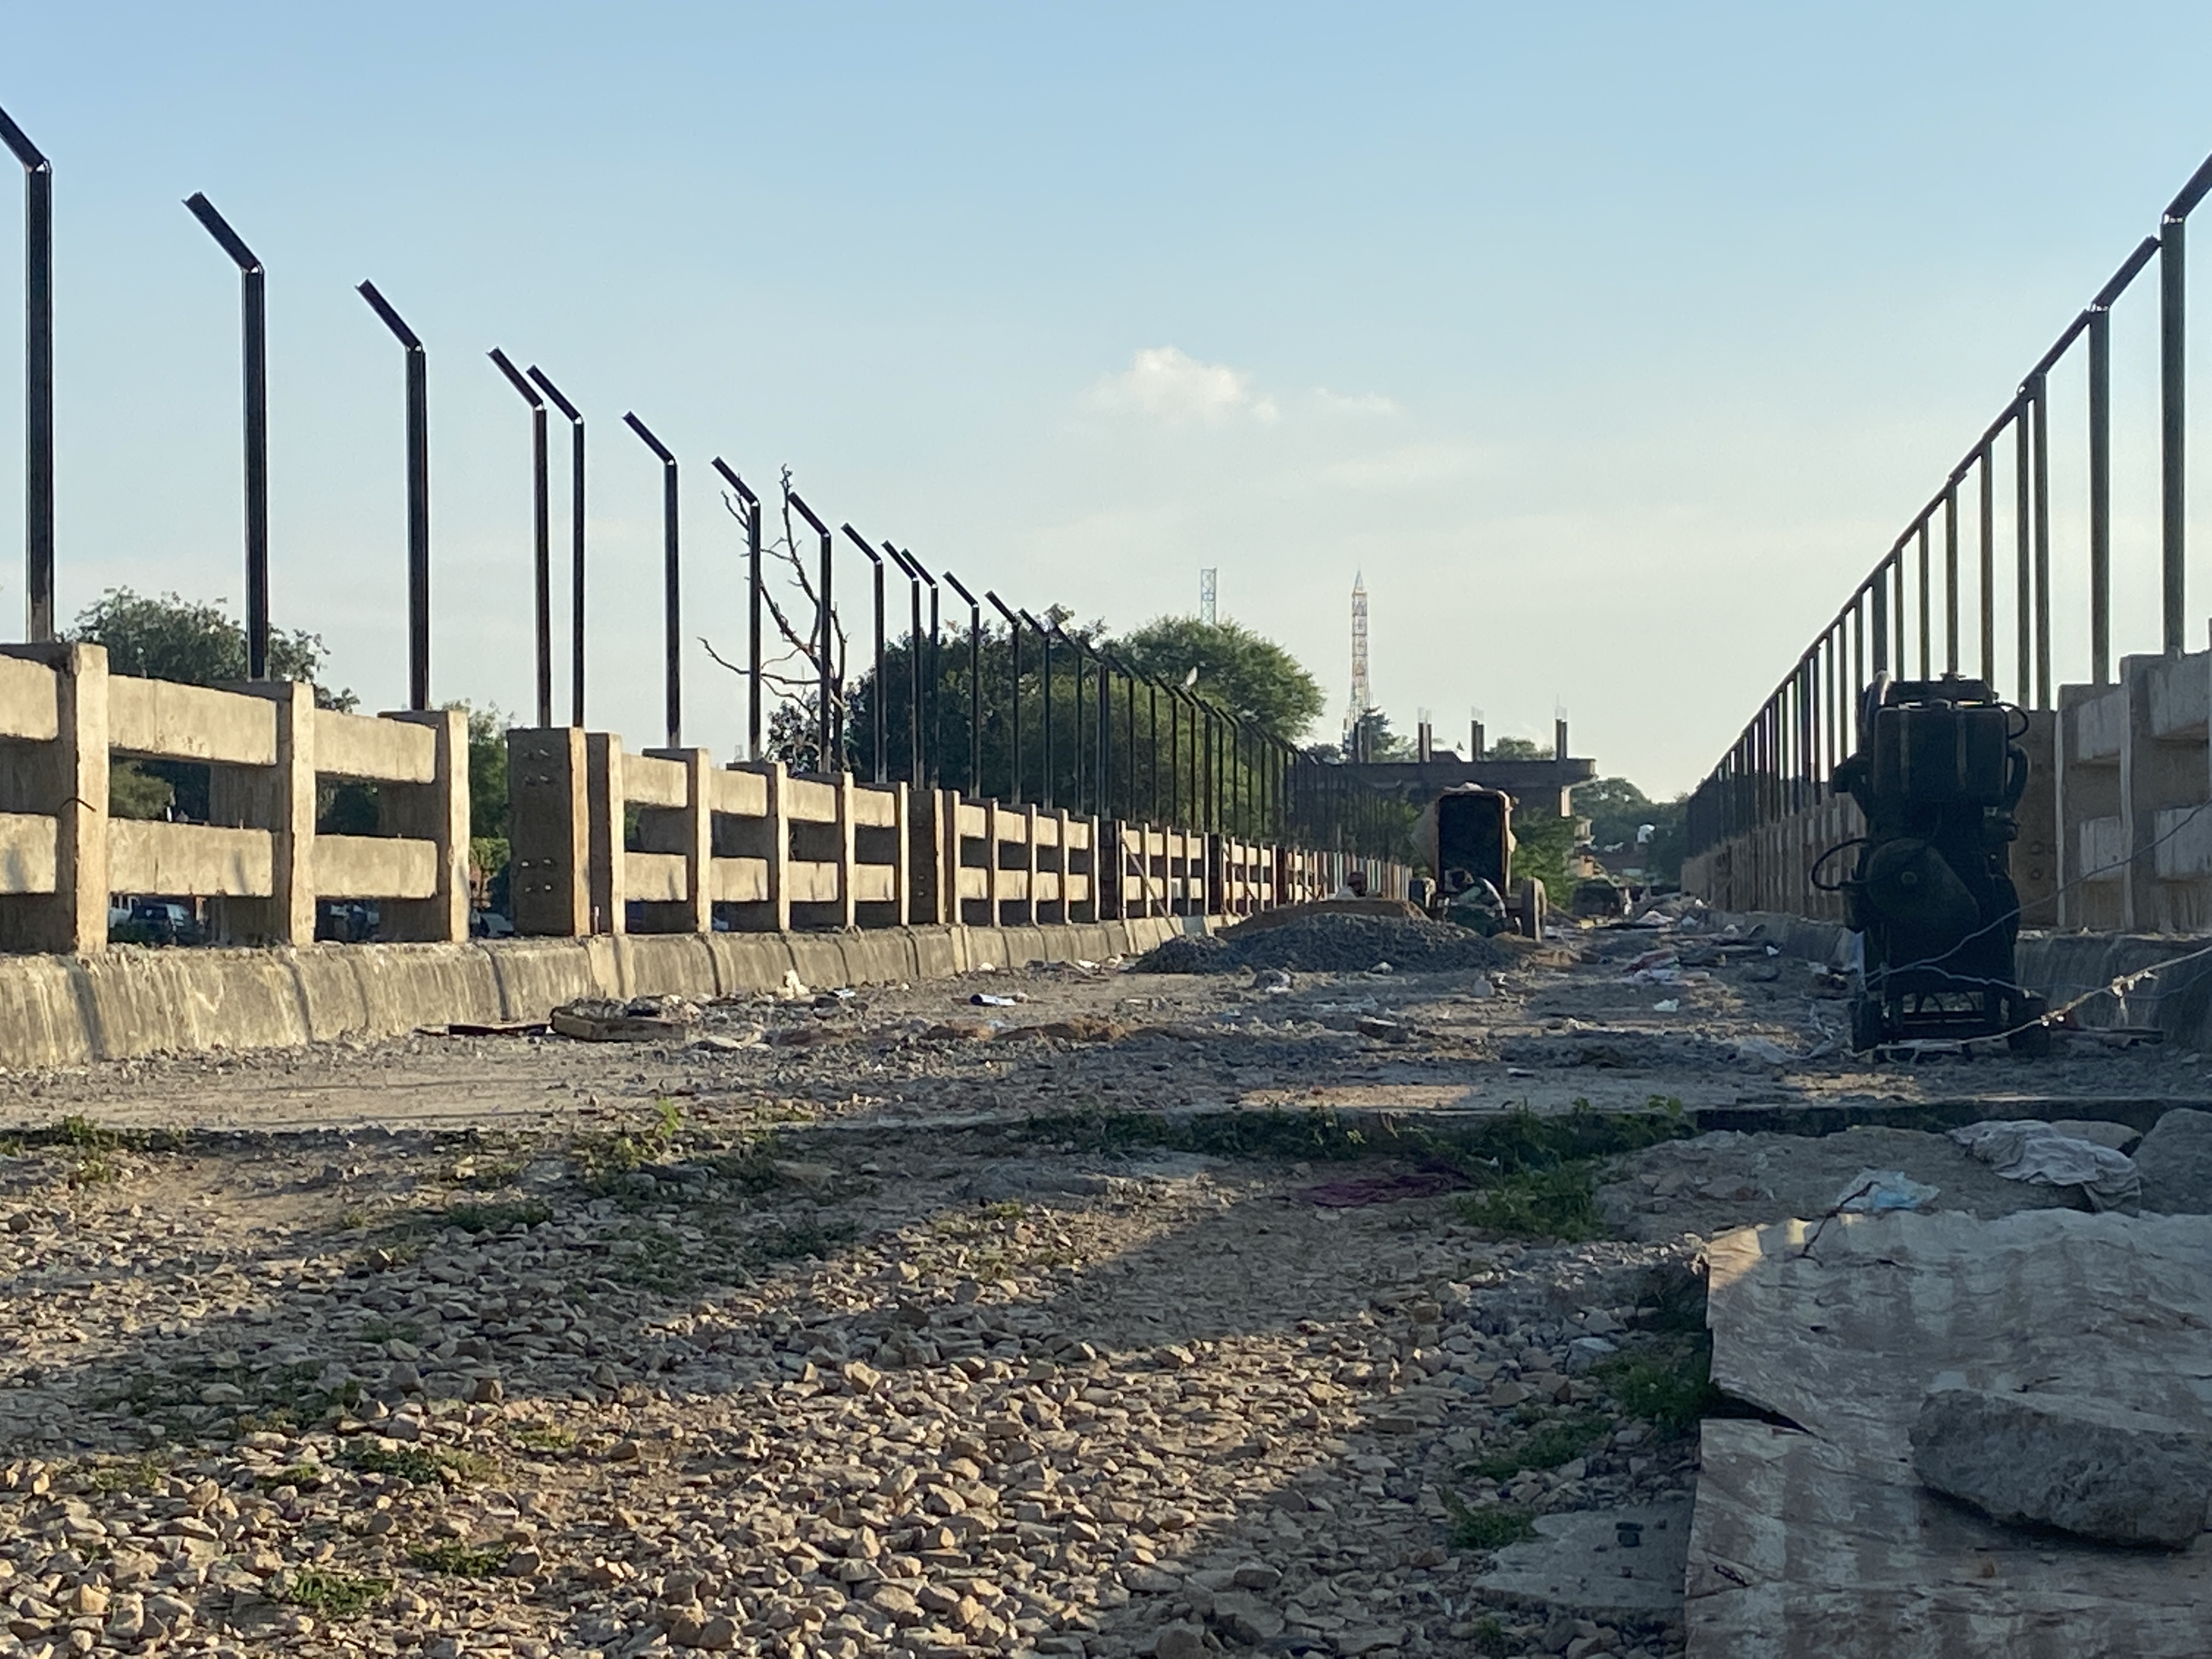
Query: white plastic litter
x=1873 y=1192
x=1667 y=1006
x=2027 y=1149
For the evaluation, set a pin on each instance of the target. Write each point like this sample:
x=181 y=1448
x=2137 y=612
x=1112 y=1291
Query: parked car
x=157 y=921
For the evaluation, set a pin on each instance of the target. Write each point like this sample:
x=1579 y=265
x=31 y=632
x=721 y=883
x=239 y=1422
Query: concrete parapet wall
x=64 y=720
x=70 y=1011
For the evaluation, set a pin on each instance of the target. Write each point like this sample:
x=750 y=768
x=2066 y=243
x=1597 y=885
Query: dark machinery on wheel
x=1465 y=836
x=1936 y=776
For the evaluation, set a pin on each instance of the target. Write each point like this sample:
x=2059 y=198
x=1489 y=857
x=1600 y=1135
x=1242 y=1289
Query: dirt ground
x=906 y=1323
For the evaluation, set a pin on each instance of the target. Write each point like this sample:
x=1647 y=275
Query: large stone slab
x=2175 y=1162
x=2085 y=1466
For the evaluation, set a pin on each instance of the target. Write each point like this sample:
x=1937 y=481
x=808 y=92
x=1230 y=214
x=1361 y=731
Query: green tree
x=1238 y=669
x=489 y=845
x=1512 y=748
x=1617 y=809
x=174 y=638
x=1372 y=736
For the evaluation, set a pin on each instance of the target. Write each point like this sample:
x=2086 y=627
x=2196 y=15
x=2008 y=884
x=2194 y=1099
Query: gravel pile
x=1332 y=945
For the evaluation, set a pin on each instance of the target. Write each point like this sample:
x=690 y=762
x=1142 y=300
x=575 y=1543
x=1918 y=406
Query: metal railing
x=1896 y=619
x=1070 y=721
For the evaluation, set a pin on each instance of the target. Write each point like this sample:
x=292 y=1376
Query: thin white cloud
x=1356 y=403
x=1409 y=465
x=1168 y=384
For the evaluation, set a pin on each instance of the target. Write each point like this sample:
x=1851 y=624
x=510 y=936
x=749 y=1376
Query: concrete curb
x=70 y=1011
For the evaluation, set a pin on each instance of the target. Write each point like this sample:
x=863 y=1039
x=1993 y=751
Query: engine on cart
x=1936 y=776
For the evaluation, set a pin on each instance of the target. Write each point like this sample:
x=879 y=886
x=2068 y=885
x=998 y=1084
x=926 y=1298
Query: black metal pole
x=913 y=694
x=1986 y=466
x=253 y=330
x=37 y=381
x=575 y=539
x=2039 y=402
x=2100 y=497
x=752 y=606
x=1014 y=698
x=975 y=780
x=877 y=692
x=2172 y=297
x=418 y=498
x=1044 y=674
x=827 y=727
x=542 y=524
x=671 y=583
x=929 y=718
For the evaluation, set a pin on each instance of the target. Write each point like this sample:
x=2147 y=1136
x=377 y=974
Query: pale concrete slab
x=1578 y=1561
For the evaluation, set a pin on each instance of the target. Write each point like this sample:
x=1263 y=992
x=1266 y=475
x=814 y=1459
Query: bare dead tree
x=804 y=648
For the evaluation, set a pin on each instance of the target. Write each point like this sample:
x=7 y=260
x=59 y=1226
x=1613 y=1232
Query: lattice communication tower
x=1363 y=697
x=1207 y=576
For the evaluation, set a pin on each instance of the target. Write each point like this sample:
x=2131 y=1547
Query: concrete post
x=929 y=883
x=902 y=905
x=549 y=833
x=1029 y=901
x=281 y=799
x=997 y=894
x=65 y=778
x=847 y=852
x=437 y=812
x=606 y=826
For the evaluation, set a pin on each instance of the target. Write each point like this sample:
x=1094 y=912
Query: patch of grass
x=1489 y=1639
x=1559 y=1203
x=791 y=1241
x=333 y=1594
x=459 y=1559
x=497 y=1218
x=83 y=1134
x=750 y=1166
x=1669 y=1384
x=128 y=1473
x=1555 y=1440
x=407 y=1462
x=542 y=1437
x=424 y=1468
x=305 y=1476
x=486 y=1176
x=352 y=1220
x=383 y=1330
x=1489 y=1528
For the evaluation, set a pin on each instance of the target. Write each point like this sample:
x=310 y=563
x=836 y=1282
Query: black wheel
x=1867 y=1024
x=2032 y=1040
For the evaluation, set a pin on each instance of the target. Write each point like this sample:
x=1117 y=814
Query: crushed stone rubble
x=913 y=1322
x=535 y=1419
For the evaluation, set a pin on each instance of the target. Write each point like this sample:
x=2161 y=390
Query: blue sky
x=1611 y=344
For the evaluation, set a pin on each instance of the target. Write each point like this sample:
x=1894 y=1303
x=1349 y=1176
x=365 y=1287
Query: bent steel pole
x=975 y=685
x=1044 y=675
x=2172 y=362
x=1013 y=697
x=253 y=328
x=418 y=497
x=828 y=728
x=752 y=606
x=933 y=726
x=542 y=525
x=575 y=539
x=37 y=381
x=671 y=650
x=881 y=762
x=914 y=745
